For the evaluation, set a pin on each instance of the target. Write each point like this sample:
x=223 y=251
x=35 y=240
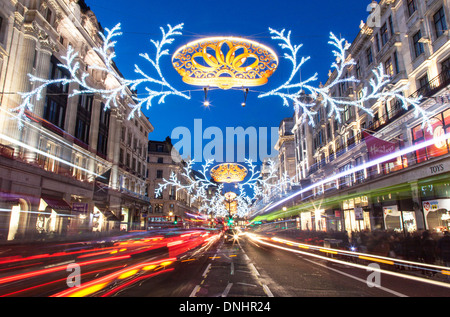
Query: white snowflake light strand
x=111 y=96
x=294 y=92
x=272 y=183
x=197 y=183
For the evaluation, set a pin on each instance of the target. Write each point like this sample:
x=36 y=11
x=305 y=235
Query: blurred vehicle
x=230 y=236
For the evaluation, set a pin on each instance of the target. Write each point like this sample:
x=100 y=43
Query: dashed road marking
x=206 y=270
x=267 y=290
x=194 y=291
x=252 y=266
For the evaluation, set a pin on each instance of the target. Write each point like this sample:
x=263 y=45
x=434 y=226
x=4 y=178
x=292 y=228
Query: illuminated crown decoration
x=228 y=173
x=230 y=196
x=225 y=62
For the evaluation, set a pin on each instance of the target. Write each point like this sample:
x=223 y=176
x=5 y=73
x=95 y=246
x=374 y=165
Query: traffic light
x=230 y=222
x=176 y=220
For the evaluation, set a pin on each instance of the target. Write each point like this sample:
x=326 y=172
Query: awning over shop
x=57 y=204
x=109 y=216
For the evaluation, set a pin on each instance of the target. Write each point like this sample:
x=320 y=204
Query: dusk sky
x=310 y=22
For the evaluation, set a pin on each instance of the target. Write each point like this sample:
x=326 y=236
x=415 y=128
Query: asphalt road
x=195 y=265
x=244 y=269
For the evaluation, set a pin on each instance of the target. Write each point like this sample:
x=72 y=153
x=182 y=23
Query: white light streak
x=36 y=212
x=363 y=166
x=56 y=158
x=360 y=266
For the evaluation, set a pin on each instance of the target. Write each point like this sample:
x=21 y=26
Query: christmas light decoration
x=197 y=183
x=194 y=184
x=225 y=62
x=122 y=87
x=271 y=183
x=321 y=96
x=229 y=173
x=230 y=196
x=207 y=62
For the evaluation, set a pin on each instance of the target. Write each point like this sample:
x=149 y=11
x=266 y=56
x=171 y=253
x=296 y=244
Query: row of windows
x=439 y=22
x=387 y=31
x=132 y=142
x=133 y=163
x=55 y=109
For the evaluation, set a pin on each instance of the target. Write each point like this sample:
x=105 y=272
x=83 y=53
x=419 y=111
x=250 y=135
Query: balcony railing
x=396 y=112
x=434 y=85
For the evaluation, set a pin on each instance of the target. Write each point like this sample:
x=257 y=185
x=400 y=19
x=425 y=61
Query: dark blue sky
x=310 y=23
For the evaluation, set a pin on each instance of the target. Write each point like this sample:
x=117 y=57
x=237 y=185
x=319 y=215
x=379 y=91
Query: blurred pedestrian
x=428 y=245
x=444 y=248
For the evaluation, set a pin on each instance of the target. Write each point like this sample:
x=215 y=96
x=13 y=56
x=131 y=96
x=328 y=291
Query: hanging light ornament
x=230 y=196
x=228 y=173
x=225 y=62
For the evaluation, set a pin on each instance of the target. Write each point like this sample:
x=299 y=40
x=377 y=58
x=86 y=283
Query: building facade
x=66 y=170
x=286 y=150
x=175 y=206
x=410 y=192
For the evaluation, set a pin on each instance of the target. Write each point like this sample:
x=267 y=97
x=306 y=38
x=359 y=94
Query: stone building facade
x=67 y=171
x=175 y=206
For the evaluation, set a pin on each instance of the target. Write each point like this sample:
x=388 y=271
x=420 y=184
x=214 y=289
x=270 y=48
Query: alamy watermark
x=231 y=144
x=74 y=278
x=374 y=278
x=374 y=19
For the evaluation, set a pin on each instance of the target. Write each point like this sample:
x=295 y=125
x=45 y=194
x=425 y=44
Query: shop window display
x=440 y=125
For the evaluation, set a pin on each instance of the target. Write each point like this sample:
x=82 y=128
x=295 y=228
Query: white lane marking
x=267 y=290
x=194 y=291
x=254 y=269
x=227 y=290
x=357 y=278
x=206 y=270
x=247 y=284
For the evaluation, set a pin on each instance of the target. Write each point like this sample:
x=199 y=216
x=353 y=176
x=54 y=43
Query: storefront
x=356 y=214
x=80 y=221
x=435 y=202
x=124 y=218
x=437 y=214
x=334 y=219
x=104 y=220
x=306 y=221
x=320 y=220
x=54 y=215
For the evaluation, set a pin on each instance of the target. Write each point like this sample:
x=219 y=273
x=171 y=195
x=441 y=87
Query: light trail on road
x=368 y=257
x=442 y=138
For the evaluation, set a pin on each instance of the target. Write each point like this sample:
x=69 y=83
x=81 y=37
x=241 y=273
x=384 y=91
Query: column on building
x=43 y=56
